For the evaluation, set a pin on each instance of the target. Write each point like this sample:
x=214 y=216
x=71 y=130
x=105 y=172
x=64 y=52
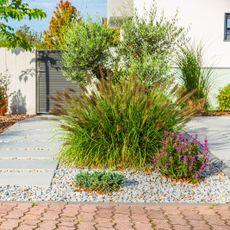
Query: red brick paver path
x=25 y=216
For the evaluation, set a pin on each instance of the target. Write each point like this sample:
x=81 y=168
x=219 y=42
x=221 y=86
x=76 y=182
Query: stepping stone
x=28 y=152
x=26 y=178
x=28 y=145
x=28 y=164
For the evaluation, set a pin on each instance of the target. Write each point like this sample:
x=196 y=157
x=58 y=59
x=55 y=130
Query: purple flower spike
x=172 y=134
x=192 y=160
x=185 y=159
x=203 y=167
x=183 y=137
x=181 y=157
x=179 y=147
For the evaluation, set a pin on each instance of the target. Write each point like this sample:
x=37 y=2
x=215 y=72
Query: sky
x=88 y=8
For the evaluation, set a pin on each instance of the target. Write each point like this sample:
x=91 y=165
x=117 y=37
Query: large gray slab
x=26 y=178
x=45 y=153
x=37 y=164
x=217 y=130
x=29 y=146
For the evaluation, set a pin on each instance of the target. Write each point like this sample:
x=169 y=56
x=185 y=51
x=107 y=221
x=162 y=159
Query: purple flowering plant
x=181 y=158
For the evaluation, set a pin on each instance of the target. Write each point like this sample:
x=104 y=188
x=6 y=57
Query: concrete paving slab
x=28 y=145
x=28 y=164
x=31 y=137
x=47 y=153
x=26 y=178
x=31 y=144
x=217 y=130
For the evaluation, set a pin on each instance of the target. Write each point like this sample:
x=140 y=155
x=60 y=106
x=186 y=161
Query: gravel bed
x=138 y=188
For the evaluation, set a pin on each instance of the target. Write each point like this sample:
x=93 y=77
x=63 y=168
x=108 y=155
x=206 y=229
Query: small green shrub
x=104 y=182
x=180 y=158
x=120 y=126
x=224 y=98
x=193 y=77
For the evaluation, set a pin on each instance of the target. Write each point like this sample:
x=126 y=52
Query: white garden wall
x=21 y=68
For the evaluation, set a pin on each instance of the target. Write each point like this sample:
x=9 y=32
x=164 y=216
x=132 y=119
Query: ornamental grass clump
x=101 y=182
x=121 y=125
x=193 y=76
x=180 y=158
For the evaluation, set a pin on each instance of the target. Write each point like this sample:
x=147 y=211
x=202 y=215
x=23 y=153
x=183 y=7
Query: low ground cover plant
x=224 y=98
x=180 y=158
x=102 y=182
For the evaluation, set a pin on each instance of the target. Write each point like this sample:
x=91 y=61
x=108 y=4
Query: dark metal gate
x=50 y=79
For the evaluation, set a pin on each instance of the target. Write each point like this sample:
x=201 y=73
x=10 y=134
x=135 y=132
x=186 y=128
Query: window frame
x=226 y=28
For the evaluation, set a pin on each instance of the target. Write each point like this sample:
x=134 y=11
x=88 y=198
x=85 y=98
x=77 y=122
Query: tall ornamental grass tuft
x=120 y=126
x=192 y=76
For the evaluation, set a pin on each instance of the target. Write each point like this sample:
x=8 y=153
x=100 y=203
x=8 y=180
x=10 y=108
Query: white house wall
x=205 y=22
x=20 y=66
x=118 y=8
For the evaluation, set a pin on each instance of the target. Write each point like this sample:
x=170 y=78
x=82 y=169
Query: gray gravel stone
x=137 y=188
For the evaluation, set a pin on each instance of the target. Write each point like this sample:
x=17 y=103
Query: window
x=227 y=27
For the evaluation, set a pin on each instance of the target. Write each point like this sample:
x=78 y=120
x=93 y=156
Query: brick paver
x=61 y=216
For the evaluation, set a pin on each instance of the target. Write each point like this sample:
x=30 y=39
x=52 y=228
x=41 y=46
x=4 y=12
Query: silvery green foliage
x=149 y=44
x=146 y=49
x=87 y=51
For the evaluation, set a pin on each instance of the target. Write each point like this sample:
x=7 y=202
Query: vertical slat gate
x=50 y=79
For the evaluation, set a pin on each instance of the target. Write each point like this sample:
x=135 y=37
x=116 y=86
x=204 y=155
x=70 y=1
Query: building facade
x=207 y=22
